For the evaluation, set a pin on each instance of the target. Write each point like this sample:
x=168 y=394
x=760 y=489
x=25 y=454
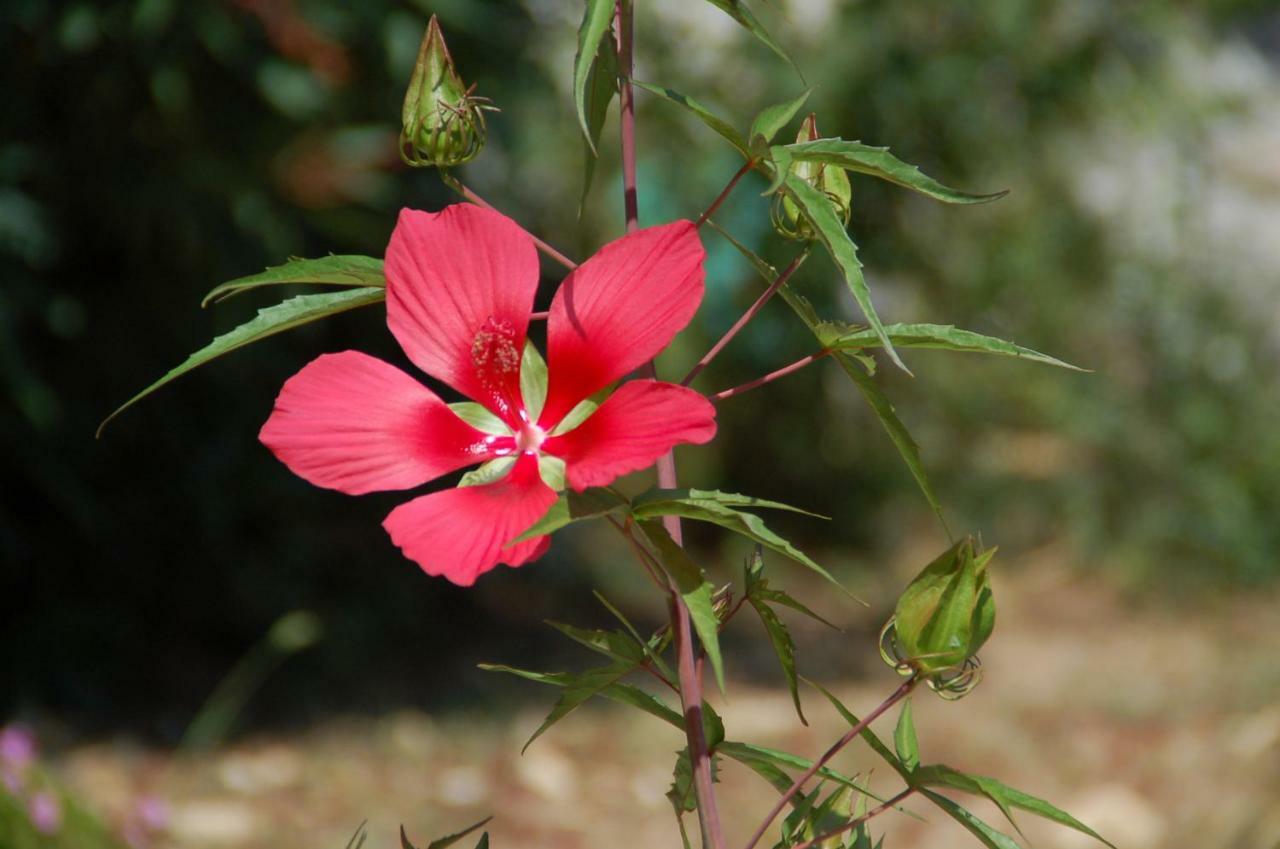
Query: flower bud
x=829 y=179
x=441 y=123
x=943 y=617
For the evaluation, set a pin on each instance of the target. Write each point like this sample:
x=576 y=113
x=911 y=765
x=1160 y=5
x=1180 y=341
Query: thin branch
x=455 y=184
x=897 y=696
x=854 y=823
x=764 y=298
x=770 y=377
x=724 y=193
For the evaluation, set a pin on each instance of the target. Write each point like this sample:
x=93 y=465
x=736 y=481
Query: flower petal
x=619 y=309
x=462 y=533
x=356 y=424
x=460 y=287
x=633 y=428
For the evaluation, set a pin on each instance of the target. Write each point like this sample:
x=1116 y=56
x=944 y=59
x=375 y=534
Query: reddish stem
x=690 y=679
x=770 y=377
x=777 y=284
x=538 y=316
x=724 y=193
x=897 y=696
x=854 y=823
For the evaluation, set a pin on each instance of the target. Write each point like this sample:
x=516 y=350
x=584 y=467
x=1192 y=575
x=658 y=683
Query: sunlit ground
x=1158 y=729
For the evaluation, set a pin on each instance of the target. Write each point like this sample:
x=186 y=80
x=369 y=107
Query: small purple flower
x=17 y=747
x=45 y=813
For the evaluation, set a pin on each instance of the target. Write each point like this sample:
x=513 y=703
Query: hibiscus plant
x=547 y=435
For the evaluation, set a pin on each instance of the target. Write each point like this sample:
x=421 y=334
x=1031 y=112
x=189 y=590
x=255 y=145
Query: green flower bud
x=787 y=219
x=441 y=123
x=942 y=619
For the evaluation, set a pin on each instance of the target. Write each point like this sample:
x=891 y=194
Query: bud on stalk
x=831 y=180
x=442 y=125
x=942 y=619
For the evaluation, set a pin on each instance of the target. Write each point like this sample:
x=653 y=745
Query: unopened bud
x=442 y=124
x=831 y=180
x=942 y=619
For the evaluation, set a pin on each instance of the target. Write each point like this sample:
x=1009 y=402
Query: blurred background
x=153 y=149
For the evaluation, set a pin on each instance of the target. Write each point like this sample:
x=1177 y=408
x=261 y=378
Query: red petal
x=353 y=423
x=633 y=428
x=460 y=287
x=619 y=309
x=462 y=533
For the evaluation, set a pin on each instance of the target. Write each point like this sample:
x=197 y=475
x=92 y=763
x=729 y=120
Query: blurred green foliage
x=152 y=149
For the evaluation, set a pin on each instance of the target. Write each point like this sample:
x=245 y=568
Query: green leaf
x=483 y=842
x=989 y=837
x=595 y=23
x=444 y=842
x=552 y=470
x=758 y=585
x=629 y=694
x=657 y=502
x=878 y=162
x=615 y=645
x=493 y=470
x=780 y=162
x=817 y=206
x=783 y=646
x=722 y=127
x=737 y=9
x=292 y=313
x=578 y=688
x=898 y=433
x=939 y=336
x=1002 y=795
x=350 y=270
x=653 y=647
x=575 y=417
x=764 y=269
x=480 y=418
x=696 y=591
x=904 y=738
x=573 y=507
x=867 y=734
x=602 y=85
x=533 y=380
x=772 y=119
x=768 y=763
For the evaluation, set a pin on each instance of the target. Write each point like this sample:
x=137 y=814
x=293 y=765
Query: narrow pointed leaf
x=614 y=645
x=867 y=734
x=696 y=591
x=772 y=119
x=656 y=644
x=989 y=837
x=723 y=128
x=629 y=694
x=602 y=85
x=738 y=10
x=817 y=206
x=580 y=687
x=944 y=337
x=292 y=313
x=904 y=738
x=573 y=507
x=783 y=646
x=654 y=501
x=350 y=270
x=451 y=839
x=595 y=23
x=879 y=162
x=764 y=269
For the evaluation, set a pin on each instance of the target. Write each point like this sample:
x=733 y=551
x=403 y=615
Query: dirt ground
x=1157 y=729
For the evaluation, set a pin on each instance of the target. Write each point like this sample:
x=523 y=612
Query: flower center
x=530 y=437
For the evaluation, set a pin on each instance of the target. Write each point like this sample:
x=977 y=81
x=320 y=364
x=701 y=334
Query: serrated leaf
x=879 y=162
x=696 y=591
x=595 y=23
x=653 y=647
x=830 y=230
x=937 y=336
x=738 y=10
x=783 y=646
x=898 y=433
x=572 y=507
x=772 y=119
x=480 y=417
x=654 y=501
x=988 y=836
x=1004 y=796
x=602 y=85
x=269 y=321
x=615 y=645
x=348 y=270
x=488 y=472
x=577 y=689
x=905 y=742
x=533 y=380
x=723 y=128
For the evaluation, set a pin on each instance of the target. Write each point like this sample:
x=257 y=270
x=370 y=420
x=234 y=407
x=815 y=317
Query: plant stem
x=770 y=377
x=724 y=193
x=854 y=823
x=455 y=184
x=897 y=696
x=682 y=631
x=777 y=284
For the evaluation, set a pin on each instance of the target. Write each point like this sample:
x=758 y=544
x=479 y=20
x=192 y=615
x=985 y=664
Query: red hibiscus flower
x=460 y=288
